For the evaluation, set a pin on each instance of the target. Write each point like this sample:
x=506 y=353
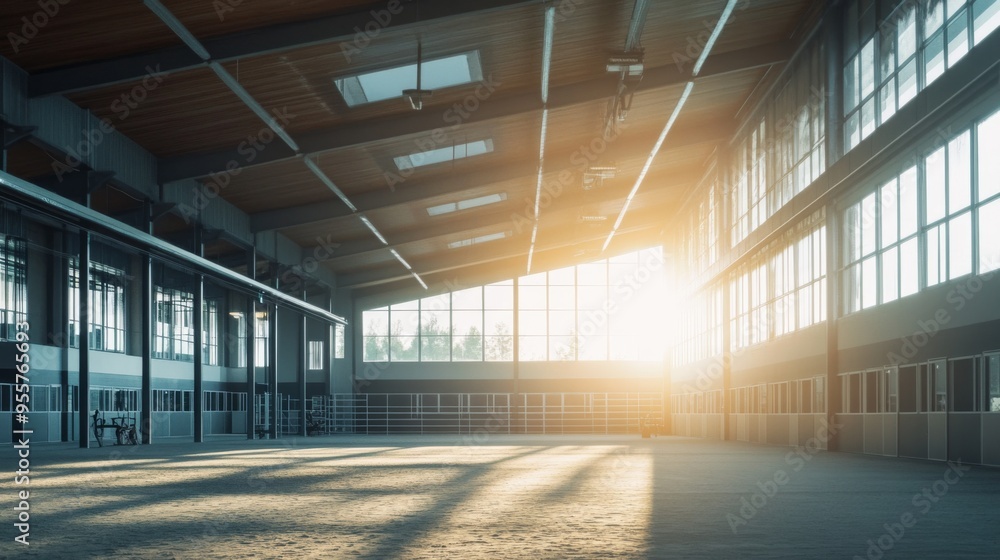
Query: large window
x=881 y=249
x=13 y=285
x=912 y=45
x=949 y=204
x=699 y=327
x=107 y=307
x=173 y=336
x=596 y=311
x=784 y=151
x=474 y=324
x=783 y=289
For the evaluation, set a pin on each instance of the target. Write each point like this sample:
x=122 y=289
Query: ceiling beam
x=487 y=253
x=429 y=121
x=502 y=269
x=418 y=191
x=257 y=42
x=508 y=218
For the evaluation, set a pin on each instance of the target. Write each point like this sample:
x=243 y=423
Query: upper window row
x=914 y=43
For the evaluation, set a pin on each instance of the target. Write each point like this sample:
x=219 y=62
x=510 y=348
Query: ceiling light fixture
x=629 y=64
x=371 y=226
x=400 y=259
x=550 y=27
x=416 y=96
x=723 y=19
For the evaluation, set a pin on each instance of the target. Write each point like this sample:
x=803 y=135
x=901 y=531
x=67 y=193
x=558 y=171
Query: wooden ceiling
x=285 y=56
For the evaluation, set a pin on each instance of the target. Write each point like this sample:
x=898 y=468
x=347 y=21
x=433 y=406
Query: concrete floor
x=493 y=496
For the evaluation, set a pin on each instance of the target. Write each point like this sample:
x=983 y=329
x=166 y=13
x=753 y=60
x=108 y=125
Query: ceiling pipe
x=632 y=45
x=716 y=32
x=550 y=26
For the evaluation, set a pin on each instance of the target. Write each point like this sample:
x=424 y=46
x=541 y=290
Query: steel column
x=84 y=332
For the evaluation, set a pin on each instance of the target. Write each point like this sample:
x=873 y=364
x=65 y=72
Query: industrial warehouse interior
x=420 y=279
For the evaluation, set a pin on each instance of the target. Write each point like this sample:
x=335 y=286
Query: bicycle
x=125 y=433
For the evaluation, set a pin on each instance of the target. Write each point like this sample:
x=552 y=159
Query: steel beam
x=504 y=218
x=258 y=42
x=426 y=122
x=36 y=198
x=84 y=337
x=485 y=254
x=420 y=191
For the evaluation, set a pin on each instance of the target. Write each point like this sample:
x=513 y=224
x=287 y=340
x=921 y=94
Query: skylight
x=441 y=155
x=385 y=84
x=466 y=204
x=478 y=240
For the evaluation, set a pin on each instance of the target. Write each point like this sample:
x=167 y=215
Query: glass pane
x=868 y=221
x=959 y=173
x=562 y=297
x=907 y=32
x=869 y=278
x=592 y=297
x=562 y=348
x=935 y=263
x=890 y=275
x=887 y=53
x=532 y=297
x=852 y=130
x=562 y=277
x=987 y=18
x=887 y=100
x=868 y=118
x=935 y=179
x=852 y=233
x=498 y=323
x=376 y=322
x=435 y=348
x=889 y=213
x=562 y=323
x=908 y=82
x=533 y=322
x=404 y=323
x=868 y=68
x=532 y=348
x=593 y=347
x=933 y=15
x=958 y=39
x=851 y=85
x=499 y=296
x=908 y=202
x=909 y=267
x=989 y=163
x=989 y=236
x=592 y=274
x=403 y=348
x=499 y=348
x=934 y=58
x=960 y=246
x=467 y=344
x=467 y=299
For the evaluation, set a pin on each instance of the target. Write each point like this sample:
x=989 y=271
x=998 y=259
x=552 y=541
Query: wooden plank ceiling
x=192 y=120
